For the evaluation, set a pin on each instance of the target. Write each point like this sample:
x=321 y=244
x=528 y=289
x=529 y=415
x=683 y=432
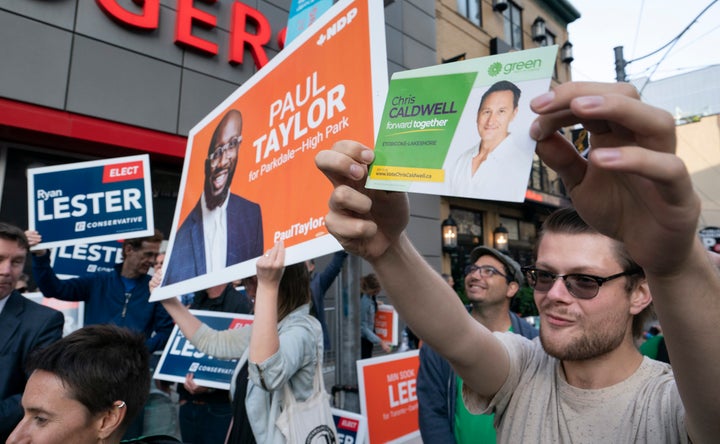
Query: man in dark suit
x=223 y=229
x=24 y=326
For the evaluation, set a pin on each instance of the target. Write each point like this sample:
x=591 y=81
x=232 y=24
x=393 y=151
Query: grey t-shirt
x=536 y=404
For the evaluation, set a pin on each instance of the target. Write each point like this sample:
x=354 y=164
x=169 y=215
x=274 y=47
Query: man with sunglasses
x=491 y=281
x=223 y=229
x=637 y=196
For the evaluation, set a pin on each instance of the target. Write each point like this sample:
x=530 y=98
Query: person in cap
x=491 y=281
x=595 y=273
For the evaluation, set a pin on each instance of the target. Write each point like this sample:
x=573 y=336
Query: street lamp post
x=500 y=238
x=449 y=235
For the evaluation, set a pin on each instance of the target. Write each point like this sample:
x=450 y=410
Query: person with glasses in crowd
x=223 y=228
x=491 y=281
x=632 y=242
x=120 y=296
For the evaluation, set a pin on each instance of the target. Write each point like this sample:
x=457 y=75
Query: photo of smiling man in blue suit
x=223 y=229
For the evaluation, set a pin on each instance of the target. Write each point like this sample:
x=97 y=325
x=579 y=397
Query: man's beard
x=214 y=201
x=591 y=344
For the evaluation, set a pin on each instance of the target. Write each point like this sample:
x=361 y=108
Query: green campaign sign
x=462 y=129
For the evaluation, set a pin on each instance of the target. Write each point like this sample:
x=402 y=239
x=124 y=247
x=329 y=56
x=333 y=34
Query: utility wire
x=671 y=44
x=681 y=70
x=677 y=37
x=701 y=36
x=657 y=65
x=637 y=26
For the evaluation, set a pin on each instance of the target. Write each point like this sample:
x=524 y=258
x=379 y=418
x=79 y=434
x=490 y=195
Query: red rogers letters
x=188 y=16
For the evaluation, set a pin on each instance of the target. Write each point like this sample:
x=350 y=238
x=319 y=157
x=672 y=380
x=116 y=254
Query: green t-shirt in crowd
x=649 y=348
x=471 y=428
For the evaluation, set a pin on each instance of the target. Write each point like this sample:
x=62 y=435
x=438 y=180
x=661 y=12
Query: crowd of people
x=600 y=270
x=491 y=280
x=630 y=241
x=121 y=298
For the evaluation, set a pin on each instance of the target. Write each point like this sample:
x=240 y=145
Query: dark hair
x=232 y=114
x=137 y=242
x=294 y=289
x=502 y=85
x=369 y=283
x=13 y=233
x=99 y=365
x=568 y=221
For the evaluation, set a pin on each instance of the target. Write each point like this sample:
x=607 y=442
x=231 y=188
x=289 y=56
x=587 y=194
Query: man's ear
x=513 y=288
x=640 y=298
x=109 y=421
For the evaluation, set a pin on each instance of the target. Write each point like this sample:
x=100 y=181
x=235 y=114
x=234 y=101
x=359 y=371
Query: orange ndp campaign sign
x=388 y=396
x=250 y=179
x=386 y=324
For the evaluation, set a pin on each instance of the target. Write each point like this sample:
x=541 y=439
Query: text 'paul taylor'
x=291 y=116
x=299 y=229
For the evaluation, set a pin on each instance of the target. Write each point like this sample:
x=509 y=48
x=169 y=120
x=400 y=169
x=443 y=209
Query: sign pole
x=347 y=341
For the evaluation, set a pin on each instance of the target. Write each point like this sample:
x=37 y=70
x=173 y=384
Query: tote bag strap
x=318 y=383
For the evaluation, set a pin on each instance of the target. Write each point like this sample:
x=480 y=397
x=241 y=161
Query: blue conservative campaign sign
x=180 y=357
x=88 y=202
x=351 y=427
x=81 y=259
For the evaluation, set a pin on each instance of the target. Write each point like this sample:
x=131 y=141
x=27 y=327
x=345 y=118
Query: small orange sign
x=388 y=395
x=386 y=324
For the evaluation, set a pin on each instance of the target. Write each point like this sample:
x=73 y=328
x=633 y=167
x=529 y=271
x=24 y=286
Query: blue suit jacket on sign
x=245 y=240
x=24 y=326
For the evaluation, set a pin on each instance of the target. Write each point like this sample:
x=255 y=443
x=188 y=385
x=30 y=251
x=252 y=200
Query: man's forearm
x=688 y=307
x=435 y=313
x=419 y=294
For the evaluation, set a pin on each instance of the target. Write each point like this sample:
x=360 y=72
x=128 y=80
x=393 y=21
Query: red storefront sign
x=148 y=18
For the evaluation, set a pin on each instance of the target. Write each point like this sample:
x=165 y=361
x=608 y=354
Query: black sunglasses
x=581 y=286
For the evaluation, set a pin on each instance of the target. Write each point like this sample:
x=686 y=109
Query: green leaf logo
x=495 y=69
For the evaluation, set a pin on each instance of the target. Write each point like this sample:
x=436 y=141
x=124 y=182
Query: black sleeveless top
x=240 y=431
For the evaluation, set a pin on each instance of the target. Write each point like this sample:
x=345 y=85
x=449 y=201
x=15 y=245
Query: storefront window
x=512 y=225
x=549 y=41
x=470 y=235
x=513 y=25
x=469 y=226
x=470 y=9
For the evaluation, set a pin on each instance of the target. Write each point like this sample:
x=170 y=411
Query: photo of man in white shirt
x=486 y=169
